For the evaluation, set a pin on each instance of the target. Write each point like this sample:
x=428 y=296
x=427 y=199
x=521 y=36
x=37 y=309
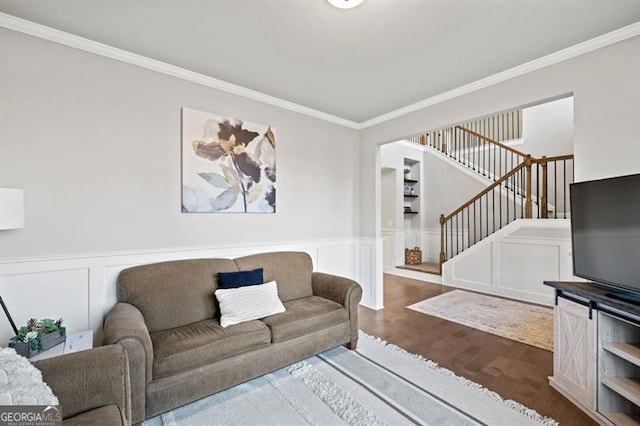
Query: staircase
x=519 y=186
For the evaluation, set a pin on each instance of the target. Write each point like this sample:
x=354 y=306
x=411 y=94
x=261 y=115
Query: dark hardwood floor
x=514 y=370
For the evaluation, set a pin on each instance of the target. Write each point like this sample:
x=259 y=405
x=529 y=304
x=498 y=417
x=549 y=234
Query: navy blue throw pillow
x=240 y=278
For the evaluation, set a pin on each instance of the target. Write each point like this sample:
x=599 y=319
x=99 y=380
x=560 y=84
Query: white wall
x=82 y=288
x=447 y=186
x=389 y=192
x=444 y=186
x=400 y=230
x=515 y=261
x=95 y=144
x=606 y=87
x=392 y=156
x=547 y=129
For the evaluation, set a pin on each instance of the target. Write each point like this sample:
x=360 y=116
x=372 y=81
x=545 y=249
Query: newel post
x=543 y=199
x=423 y=139
x=442 y=236
x=528 y=207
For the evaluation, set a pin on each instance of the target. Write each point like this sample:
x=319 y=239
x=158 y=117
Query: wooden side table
x=75 y=342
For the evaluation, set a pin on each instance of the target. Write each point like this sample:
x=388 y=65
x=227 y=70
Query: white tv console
x=596 y=357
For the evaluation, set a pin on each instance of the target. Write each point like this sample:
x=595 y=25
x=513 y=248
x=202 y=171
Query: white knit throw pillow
x=248 y=303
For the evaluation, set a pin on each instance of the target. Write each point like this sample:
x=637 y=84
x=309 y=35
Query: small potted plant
x=38 y=336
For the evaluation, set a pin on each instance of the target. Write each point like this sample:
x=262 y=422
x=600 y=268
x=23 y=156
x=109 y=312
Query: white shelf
x=623 y=386
x=619 y=370
x=626 y=351
x=623 y=419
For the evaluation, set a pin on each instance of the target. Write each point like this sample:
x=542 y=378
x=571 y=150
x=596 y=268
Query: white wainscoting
x=430 y=244
x=82 y=289
x=370 y=272
x=394 y=242
x=515 y=261
x=388 y=248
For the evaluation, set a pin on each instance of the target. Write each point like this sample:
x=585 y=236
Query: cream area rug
x=377 y=384
x=523 y=322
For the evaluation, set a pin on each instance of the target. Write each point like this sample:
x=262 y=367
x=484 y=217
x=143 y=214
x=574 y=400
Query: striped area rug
x=378 y=384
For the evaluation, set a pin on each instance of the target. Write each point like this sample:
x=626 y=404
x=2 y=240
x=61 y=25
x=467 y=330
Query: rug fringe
x=514 y=405
x=342 y=403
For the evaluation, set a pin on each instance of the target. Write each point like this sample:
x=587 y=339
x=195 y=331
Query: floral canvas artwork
x=228 y=165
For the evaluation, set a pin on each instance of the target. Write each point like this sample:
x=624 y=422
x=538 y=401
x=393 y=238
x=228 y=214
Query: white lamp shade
x=11 y=208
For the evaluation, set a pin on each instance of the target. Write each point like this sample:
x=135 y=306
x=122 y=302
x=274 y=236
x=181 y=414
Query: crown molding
x=596 y=43
x=47 y=33
x=51 y=34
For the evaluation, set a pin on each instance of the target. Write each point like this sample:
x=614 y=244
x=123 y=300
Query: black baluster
x=486 y=216
x=475 y=225
x=494 y=211
x=469 y=225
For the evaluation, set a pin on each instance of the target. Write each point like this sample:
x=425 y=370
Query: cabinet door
x=575 y=351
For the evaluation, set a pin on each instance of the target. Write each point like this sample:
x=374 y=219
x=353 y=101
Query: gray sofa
x=92 y=386
x=167 y=319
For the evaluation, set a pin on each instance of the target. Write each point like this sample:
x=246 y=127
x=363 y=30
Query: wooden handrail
x=500 y=181
x=550 y=159
x=526 y=197
x=504 y=178
x=491 y=141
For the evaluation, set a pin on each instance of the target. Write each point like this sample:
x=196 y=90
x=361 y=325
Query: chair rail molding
x=82 y=288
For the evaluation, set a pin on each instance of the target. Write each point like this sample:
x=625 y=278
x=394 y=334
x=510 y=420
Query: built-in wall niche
x=411 y=191
x=411 y=206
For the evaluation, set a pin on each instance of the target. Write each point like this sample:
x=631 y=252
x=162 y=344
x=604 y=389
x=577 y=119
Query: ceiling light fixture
x=345 y=4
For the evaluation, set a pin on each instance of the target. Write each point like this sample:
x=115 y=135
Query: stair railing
x=513 y=196
x=499 y=127
x=552 y=176
x=482 y=154
x=475 y=220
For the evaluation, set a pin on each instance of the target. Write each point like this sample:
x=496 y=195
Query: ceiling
x=355 y=64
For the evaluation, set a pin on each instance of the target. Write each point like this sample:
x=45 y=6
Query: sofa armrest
x=341 y=290
x=89 y=379
x=125 y=326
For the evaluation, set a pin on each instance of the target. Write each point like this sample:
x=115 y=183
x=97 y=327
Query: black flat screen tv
x=605 y=230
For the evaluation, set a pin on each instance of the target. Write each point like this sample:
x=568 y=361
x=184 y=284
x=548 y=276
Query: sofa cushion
x=291 y=270
x=194 y=345
x=173 y=294
x=248 y=303
x=304 y=316
x=106 y=415
x=240 y=278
